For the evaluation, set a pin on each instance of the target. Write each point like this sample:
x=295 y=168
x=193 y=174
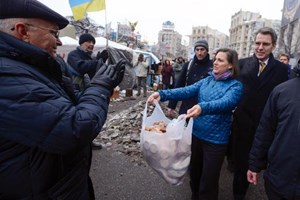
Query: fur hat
x=202 y=43
x=31 y=9
x=86 y=37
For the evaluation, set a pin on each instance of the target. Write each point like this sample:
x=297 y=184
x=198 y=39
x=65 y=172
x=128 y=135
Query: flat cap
x=30 y=9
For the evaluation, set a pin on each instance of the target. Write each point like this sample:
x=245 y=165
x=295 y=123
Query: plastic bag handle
x=145 y=114
x=157 y=106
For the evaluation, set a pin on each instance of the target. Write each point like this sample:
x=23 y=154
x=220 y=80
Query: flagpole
x=106 y=34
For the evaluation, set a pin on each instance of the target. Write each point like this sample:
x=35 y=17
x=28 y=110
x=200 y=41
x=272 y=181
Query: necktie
x=262 y=66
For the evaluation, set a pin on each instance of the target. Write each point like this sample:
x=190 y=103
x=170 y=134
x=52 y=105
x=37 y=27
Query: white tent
x=69 y=44
x=68 y=41
x=101 y=42
x=148 y=54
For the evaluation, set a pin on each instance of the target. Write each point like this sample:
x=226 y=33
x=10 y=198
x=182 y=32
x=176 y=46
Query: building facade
x=215 y=38
x=289 y=41
x=169 y=41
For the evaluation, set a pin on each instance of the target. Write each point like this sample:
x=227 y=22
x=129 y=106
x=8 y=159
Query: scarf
x=225 y=75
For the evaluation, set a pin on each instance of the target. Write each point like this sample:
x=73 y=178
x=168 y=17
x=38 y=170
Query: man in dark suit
x=258 y=80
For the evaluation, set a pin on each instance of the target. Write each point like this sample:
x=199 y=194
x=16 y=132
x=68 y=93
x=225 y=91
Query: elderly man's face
x=88 y=46
x=43 y=34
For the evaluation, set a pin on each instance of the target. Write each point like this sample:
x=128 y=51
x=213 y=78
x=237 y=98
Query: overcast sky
x=184 y=14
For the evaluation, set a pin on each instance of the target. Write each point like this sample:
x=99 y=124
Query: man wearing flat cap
x=191 y=72
x=45 y=132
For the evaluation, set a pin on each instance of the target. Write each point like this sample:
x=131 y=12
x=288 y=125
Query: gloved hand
x=102 y=55
x=110 y=76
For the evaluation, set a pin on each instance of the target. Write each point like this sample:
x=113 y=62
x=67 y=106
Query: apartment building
x=215 y=38
x=169 y=41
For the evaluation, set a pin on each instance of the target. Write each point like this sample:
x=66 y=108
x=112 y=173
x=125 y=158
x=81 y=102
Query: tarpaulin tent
x=116 y=52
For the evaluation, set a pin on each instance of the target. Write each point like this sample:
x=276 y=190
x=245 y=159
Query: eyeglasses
x=53 y=32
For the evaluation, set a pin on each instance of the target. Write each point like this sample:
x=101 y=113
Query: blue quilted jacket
x=217 y=99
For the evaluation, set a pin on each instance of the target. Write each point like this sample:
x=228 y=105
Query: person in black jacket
x=285 y=58
x=259 y=74
x=82 y=66
x=45 y=129
x=276 y=146
x=192 y=72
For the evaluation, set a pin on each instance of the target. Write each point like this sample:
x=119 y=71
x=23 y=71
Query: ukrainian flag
x=81 y=7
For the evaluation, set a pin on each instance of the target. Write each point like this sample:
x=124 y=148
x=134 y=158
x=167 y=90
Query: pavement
x=116 y=177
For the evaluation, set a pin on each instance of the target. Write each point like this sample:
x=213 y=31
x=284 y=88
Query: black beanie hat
x=86 y=37
x=202 y=43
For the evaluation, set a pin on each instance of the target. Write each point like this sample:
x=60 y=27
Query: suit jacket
x=255 y=94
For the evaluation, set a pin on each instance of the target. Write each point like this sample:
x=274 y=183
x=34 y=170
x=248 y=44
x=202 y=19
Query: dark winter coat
x=167 y=75
x=276 y=145
x=44 y=134
x=82 y=62
x=198 y=70
x=82 y=67
x=255 y=94
x=217 y=99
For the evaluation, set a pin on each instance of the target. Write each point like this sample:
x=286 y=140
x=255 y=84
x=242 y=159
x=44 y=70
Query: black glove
x=102 y=55
x=109 y=76
x=122 y=67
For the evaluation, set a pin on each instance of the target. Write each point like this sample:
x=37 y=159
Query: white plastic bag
x=168 y=153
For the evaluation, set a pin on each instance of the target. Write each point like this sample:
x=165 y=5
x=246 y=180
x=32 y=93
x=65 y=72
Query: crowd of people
x=237 y=123
x=52 y=110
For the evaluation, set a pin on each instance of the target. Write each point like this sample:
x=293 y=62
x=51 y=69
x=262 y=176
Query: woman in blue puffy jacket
x=218 y=94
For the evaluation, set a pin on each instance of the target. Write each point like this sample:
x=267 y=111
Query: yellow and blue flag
x=81 y=7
